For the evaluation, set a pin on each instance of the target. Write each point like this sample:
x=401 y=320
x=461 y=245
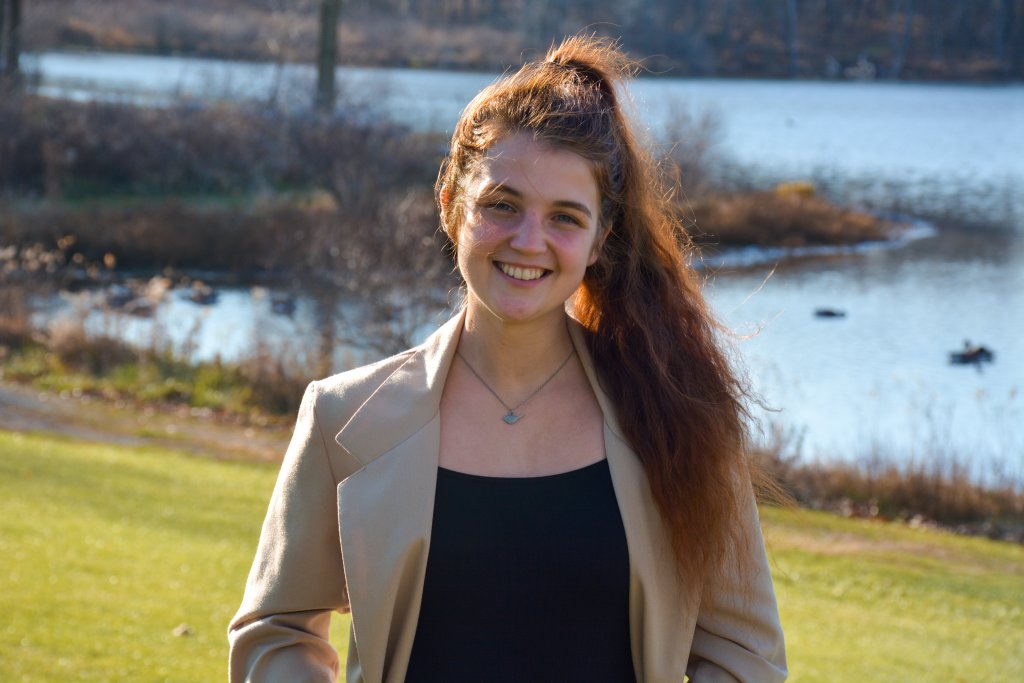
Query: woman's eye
x=502 y=206
x=566 y=218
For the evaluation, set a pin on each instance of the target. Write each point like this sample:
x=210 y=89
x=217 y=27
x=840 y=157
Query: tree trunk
x=1004 y=20
x=901 y=43
x=1015 y=41
x=792 y=37
x=12 y=38
x=327 y=59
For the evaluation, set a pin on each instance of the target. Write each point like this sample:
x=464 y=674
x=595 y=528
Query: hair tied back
x=594 y=61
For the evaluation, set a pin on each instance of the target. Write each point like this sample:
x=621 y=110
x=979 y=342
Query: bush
x=60 y=148
x=792 y=217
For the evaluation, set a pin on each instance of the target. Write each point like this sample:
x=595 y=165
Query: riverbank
x=95 y=528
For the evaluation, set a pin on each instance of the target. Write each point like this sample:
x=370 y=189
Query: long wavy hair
x=656 y=346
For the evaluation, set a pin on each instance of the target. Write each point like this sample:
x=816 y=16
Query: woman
x=529 y=495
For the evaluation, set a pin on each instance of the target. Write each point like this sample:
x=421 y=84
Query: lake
x=876 y=380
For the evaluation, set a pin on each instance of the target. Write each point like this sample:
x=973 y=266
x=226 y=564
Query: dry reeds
x=940 y=491
x=226 y=187
x=65 y=149
x=781 y=218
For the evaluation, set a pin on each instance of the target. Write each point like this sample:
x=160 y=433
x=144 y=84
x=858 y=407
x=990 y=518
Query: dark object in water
x=125 y=299
x=202 y=294
x=282 y=304
x=972 y=353
x=829 y=313
x=118 y=296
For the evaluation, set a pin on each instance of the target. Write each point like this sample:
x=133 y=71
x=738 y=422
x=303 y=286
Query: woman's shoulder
x=341 y=395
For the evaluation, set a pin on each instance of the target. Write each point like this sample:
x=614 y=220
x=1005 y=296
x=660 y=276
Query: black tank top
x=527 y=580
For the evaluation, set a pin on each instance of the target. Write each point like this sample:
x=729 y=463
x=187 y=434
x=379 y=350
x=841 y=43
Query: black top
x=527 y=580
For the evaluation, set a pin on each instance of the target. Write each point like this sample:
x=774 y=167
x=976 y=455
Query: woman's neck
x=514 y=356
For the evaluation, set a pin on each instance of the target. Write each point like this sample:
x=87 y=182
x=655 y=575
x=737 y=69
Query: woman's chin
x=521 y=312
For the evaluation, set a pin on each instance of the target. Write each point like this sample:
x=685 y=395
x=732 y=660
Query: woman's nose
x=529 y=234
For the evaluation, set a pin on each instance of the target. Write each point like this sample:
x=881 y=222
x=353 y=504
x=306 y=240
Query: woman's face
x=530 y=229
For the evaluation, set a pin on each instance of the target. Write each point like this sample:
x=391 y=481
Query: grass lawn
x=105 y=550
x=866 y=601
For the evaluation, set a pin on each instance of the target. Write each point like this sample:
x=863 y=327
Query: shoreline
x=267 y=59
x=739 y=258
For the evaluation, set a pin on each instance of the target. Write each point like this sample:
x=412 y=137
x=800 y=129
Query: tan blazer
x=348 y=529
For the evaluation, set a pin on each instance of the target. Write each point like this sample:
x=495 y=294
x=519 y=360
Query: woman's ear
x=444 y=197
x=595 y=251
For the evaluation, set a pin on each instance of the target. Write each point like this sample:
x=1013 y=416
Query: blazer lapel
x=385 y=514
x=658 y=626
x=386 y=508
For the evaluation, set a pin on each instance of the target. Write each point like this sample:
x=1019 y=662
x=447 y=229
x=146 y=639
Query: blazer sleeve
x=297 y=580
x=738 y=637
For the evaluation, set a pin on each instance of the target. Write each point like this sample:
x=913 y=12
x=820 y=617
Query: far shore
x=718 y=40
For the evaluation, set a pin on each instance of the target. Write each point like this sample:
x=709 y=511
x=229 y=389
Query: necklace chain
x=511 y=417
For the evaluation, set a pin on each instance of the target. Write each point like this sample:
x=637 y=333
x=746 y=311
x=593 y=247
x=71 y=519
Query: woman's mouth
x=525 y=274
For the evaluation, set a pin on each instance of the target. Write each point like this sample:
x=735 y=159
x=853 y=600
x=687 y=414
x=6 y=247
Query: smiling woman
x=554 y=486
x=529 y=233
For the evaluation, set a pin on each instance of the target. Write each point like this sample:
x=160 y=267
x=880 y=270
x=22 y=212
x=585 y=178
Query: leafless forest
x=899 y=39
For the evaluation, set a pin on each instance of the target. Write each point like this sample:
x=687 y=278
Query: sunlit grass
x=105 y=550
x=259 y=387
x=865 y=600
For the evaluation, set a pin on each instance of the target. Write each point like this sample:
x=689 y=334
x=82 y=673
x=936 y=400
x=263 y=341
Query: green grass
x=868 y=601
x=104 y=550
x=109 y=369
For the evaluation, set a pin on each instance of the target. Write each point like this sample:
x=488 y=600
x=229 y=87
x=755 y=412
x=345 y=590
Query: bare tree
x=327 y=58
x=11 y=38
x=792 y=37
x=1003 y=30
x=901 y=42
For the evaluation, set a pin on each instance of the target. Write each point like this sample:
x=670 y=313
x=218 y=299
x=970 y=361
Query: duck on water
x=972 y=353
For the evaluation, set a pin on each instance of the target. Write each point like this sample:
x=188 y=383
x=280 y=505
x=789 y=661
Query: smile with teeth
x=520 y=273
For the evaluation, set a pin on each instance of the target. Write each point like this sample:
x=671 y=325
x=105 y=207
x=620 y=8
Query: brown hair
x=655 y=344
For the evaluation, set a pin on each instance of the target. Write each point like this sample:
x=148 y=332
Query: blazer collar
x=407 y=400
x=411 y=396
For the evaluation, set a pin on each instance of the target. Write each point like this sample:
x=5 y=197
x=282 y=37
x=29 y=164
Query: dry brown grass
x=345 y=199
x=780 y=218
x=255 y=234
x=15 y=324
x=940 y=490
x=61 y=149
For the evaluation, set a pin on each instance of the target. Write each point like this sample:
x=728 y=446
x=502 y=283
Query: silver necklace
x=511 y=417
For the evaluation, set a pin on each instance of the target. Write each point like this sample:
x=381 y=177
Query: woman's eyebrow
x=501 y=188
x=577 y=206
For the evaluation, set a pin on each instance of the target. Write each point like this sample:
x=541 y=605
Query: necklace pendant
x=511 y=418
